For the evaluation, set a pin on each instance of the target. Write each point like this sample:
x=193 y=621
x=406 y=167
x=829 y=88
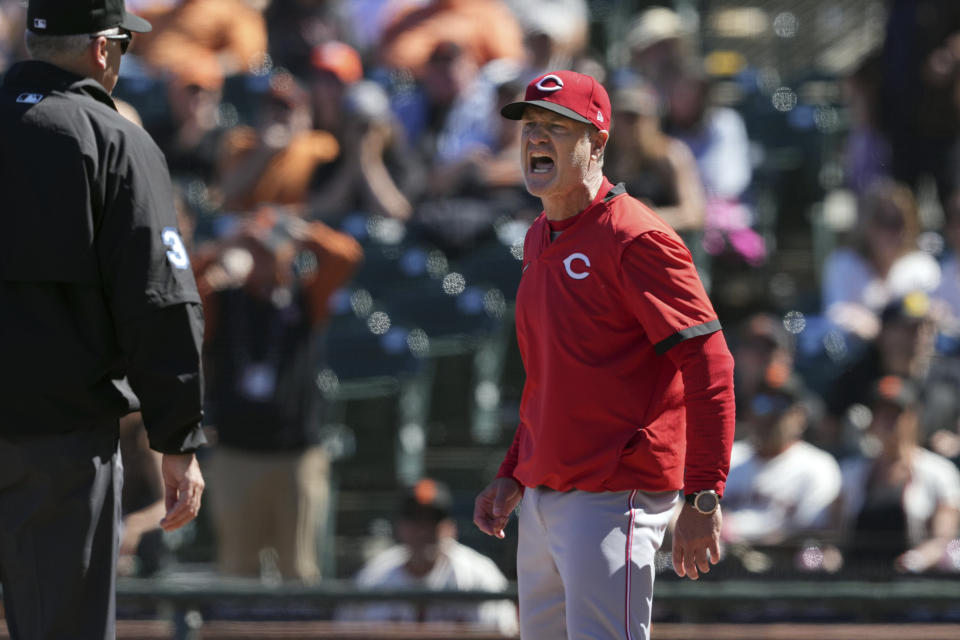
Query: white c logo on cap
x=558 y=83
x=576 y=275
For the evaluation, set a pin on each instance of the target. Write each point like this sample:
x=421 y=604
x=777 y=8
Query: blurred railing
x=193 y=604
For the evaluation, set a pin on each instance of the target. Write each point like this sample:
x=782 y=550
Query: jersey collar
x=605 y=194
x=34 y=74
x=613 y=190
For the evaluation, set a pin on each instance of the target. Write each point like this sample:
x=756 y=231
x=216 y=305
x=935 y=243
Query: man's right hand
x=182 y=488
x=494 y=505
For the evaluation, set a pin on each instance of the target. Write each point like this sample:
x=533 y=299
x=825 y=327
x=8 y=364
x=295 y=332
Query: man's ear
x=599 y=143
x=98 y=52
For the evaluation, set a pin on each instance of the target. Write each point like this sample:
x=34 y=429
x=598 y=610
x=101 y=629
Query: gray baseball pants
x=585 y=562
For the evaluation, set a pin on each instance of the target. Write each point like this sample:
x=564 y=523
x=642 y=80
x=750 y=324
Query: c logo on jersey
x=568 y=262
x=177 y=254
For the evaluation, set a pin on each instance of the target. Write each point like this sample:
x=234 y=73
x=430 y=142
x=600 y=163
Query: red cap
x=568 y=93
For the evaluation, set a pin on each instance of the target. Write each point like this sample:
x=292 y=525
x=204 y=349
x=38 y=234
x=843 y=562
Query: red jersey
x=598 y=308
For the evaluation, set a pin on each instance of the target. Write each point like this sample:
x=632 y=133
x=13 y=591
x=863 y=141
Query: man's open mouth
x=540 y=163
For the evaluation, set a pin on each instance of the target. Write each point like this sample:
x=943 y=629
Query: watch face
x=706 y=502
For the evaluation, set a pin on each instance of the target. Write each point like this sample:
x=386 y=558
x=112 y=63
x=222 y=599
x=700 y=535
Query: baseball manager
x=99 y=316
x=629 y=391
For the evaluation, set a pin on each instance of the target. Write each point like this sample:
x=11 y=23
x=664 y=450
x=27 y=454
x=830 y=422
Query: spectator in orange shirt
x=265 y=290
x=274 y=163
x=484 y=29
x=232 y=32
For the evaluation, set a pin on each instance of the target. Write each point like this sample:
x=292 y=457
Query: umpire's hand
x=696 y=542
x=182 y=488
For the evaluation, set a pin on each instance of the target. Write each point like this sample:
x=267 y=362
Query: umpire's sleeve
x=163 y=366
x=152 y=295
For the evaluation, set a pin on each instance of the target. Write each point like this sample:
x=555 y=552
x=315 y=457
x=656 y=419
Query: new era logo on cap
x=571 y=94
x=39 y=23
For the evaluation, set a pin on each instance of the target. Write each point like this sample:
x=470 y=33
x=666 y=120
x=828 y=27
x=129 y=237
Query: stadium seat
x=495 y=265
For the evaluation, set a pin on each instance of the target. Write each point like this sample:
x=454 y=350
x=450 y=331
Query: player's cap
x=571 y=94
x=428 y=499
x=654 y=25
x=338 y=58
x=64 y=18
x=895 y=390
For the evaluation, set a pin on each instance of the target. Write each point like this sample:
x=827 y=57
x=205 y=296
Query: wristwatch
x=706 y=502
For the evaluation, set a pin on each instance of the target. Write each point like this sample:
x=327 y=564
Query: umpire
x=99 y=316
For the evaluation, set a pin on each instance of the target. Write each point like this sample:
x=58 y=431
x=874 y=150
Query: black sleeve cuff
x=685 y=334
x=186 y=441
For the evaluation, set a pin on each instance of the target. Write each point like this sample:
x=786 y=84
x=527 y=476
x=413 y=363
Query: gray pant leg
x=585 y=564
x=59 y=519
x=542 y=609
x=609 y=567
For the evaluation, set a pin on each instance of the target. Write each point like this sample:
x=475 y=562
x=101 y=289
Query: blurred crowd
x=294 y=127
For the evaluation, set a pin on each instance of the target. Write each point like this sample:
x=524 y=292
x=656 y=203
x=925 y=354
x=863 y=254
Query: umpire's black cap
x=71 y=17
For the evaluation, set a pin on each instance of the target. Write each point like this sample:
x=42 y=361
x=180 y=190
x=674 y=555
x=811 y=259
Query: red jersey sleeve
x=707 y=369
x=510 y=459
x=663 y=290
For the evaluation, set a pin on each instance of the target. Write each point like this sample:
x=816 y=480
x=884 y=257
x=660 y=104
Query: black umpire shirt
x=99 y=311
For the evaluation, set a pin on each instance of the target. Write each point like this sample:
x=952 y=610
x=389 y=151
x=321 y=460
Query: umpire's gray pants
x=59 y=517
x=585 y=562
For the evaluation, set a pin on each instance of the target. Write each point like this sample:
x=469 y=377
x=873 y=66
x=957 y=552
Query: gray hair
x=53 y=48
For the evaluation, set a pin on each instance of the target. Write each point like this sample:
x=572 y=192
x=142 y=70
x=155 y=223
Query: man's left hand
x=183 y=485
x=696 y=542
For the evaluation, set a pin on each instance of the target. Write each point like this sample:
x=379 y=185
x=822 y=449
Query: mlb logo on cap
x=568 y=93
x=74 y=17
x=29 y=98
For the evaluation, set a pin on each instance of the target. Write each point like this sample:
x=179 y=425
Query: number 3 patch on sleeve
x=177 y=253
